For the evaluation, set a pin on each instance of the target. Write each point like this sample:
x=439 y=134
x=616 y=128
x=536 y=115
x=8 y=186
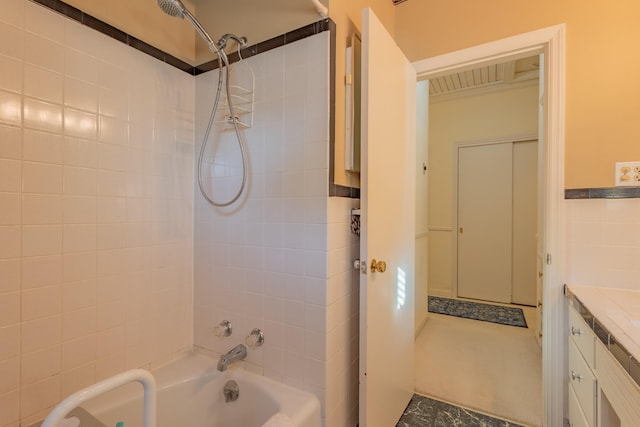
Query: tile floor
x=490 y=368
x=423 y=411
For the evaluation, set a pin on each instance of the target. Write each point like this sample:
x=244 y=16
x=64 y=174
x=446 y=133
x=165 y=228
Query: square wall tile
x=43 y=84
x=77 y=379
x=10 y=242
x=79 y=209
x=79 y=266
x=10 y=408
x=80 y=95
x=41 y=240
x=11 y=211
x=11 y=41
x=10 y=308
x=41 y=209
x=12 y=76
x=44 y=53
x=9 y=375
x=9 y=275
x=78 y=352
x=78 y=323
x=41 y=302
x=80 y=124
x=39 y=365
x=79 y=181
x=41 y=333
x=10 y=142
x=10 y=175
x=10 y=337
x=42 y=147
x=41 y=21
x=79 y=238
x=41 y=271
x=42 y=115
x=41 y=178
x=39 y=396
x=80 y=152
x=77 y=295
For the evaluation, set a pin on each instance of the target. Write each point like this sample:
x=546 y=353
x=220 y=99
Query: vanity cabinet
x=603 y=389
x=582 y=381
x=619 y=395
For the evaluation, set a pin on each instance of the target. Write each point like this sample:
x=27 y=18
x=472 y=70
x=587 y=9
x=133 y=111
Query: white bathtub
x=190 y=394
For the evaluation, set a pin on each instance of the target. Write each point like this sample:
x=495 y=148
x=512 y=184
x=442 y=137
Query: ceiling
x=507 y=73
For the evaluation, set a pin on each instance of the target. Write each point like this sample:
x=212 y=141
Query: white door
x=484 y=222
x=525 y=222
x=387 y=227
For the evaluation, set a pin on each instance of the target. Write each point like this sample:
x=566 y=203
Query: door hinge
x=360 y=266
x=548 y=259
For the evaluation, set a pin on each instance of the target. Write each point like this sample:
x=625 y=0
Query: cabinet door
x=576 y=416
x=622 y=393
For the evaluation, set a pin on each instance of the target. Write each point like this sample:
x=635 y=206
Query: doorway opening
x=550 y=43
x=482 y=201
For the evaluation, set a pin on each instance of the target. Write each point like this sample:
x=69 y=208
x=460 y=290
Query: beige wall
x=602 y=108
x=145 y=21
x=348 y=16
x=492 y=116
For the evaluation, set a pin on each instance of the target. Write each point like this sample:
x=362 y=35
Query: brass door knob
x=379 y=266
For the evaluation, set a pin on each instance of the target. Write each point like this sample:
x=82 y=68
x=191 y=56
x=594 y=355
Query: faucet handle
x=255 y=338
x=224 y=329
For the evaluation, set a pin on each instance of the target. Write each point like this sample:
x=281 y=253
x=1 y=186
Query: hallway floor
x=487 y=367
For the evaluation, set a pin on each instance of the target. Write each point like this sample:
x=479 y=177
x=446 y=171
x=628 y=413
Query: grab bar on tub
x=140 y=375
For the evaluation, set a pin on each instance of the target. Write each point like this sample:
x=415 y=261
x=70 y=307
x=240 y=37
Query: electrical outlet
x=627 y=174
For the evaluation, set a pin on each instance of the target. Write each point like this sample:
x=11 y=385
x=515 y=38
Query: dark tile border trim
x=335 y=190
x=278 y=41
x=106 y=29
x=603 y=193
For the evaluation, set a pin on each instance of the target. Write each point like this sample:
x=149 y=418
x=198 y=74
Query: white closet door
x=525 y=210
x=485 y=222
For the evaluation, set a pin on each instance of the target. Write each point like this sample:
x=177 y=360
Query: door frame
x=551 y=42
x=454 y=201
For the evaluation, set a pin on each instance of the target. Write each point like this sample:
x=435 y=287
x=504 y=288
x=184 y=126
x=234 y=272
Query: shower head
x=173 y=8
x=177 y=9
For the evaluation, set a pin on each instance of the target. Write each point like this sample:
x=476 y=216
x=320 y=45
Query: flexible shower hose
x=223 y=63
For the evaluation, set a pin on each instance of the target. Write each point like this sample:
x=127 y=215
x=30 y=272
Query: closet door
x=485 y=222
x=525 y=222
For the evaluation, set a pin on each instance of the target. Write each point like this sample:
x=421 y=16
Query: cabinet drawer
x=576 y=416
x=582 y=336
x=583 y=383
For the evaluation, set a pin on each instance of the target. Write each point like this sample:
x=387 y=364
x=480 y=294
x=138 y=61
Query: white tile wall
x=603 y=242
x=96 y=209
x=266 y=262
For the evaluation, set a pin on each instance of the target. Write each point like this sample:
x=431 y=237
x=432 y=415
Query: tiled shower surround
x=104 y=249
x=96 y=209
x=279 y=260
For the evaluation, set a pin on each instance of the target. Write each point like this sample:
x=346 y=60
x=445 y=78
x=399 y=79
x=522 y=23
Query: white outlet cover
x=627 y=174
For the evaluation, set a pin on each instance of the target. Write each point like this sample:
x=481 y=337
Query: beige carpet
x=491 y=368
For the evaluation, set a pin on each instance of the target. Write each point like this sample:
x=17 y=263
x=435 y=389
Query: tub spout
x=238 y=352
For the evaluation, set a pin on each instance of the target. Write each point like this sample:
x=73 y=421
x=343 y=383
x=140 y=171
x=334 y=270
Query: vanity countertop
x=618 y=311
